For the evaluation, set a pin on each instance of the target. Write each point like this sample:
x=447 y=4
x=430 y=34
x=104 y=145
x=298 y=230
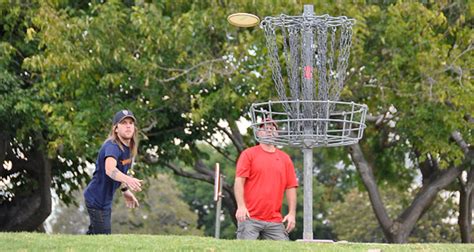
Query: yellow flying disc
x=243 y=20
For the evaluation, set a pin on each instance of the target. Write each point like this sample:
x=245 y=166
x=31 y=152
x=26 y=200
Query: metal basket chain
x=292 y=64
x=343 y=60
x=294 y=40
x=332 y=72
x=275 y=65
x=321 y=63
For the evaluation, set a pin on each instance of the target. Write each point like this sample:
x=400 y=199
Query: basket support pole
x=308 y=194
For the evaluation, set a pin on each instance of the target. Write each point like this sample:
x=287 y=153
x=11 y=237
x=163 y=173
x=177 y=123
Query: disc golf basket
x=309 y=56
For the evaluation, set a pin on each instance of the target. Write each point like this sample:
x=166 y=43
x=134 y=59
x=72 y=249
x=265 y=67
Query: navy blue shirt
x=100 y=191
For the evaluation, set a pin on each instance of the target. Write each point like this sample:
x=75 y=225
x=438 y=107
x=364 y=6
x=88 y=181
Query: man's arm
x=291 y=216
x=115 y=174
x=242 y=211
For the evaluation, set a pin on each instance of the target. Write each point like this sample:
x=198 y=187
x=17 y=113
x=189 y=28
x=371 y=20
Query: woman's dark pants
x=100 y=221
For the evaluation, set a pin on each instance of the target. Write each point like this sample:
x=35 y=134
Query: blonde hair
x=133 y=142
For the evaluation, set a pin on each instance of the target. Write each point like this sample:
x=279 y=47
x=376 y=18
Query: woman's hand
x=130 y=200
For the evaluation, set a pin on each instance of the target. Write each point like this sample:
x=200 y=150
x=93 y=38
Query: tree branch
x=429 y=191
x=164 y=131
x=186 y=71
x=369 y=181
x=234 y=136
x=377 y=119
x=180 y=172
x=460 y=141
x=470 y=179
x=229 y=201
x=221 y=152
x=200 y=167
x=427 y=170
x=426 y=196
x=468 y=49
x=149 y=127
x=434 y=162
x=239 y=141
x=469 y=118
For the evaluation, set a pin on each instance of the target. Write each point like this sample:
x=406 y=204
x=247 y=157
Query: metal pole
x=308 y=194
x=218 y=210
x=308 y=128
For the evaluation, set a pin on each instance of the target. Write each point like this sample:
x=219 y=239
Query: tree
x=76 y=72
x=394 y=56
x=25 y=199
x=187 y=80
x=353 y=219
x=421 y=98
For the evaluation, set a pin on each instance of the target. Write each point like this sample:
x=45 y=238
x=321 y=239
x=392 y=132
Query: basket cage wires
x=309 y=56
x=343 y=126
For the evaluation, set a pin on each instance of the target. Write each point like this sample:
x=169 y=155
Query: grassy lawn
x=44 y=242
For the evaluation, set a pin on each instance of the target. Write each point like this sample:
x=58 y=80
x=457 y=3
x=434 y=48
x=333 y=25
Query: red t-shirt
x=268 y=175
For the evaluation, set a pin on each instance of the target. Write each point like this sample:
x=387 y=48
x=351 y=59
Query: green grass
x=44 y=242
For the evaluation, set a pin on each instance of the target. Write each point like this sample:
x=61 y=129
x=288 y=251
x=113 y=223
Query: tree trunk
x=230 y=203
x=367 y=175
x=465 y=215
x=398 y=231
x=466 y=198
x=27 y=211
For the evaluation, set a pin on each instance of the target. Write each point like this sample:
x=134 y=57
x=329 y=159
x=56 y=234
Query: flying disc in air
x=243 y=20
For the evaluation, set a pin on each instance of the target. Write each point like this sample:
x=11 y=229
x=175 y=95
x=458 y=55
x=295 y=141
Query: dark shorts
x=100 y=221
x=252 y=229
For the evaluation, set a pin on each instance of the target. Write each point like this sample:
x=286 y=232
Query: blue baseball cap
x=122 y=114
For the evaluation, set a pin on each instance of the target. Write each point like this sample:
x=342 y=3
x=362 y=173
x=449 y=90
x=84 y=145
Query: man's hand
x=291 y=223
x=134 y=184
x=130 y=200
x=241 y=214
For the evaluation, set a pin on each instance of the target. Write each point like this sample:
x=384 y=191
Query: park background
x=190 y=77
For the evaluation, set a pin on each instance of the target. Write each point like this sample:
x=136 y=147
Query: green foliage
x=20 y=106
x=421 y=70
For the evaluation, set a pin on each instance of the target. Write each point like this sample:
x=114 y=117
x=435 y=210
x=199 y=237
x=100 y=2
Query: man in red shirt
x=264 y=173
